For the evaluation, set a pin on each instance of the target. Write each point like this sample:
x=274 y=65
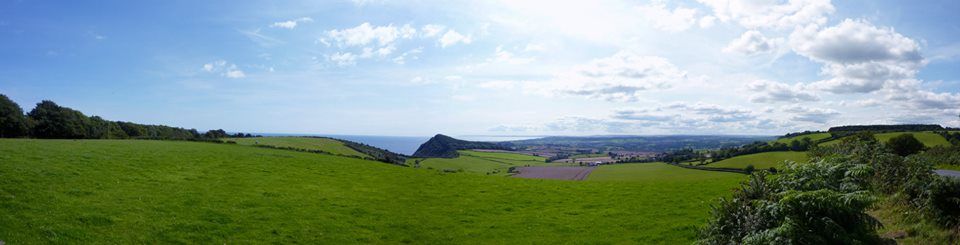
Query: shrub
x=941 y=201
x=905 y=145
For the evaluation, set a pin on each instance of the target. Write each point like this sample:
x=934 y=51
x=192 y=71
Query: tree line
x=51 y=121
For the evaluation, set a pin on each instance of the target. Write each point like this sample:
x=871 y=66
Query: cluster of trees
x=791 y=135
x=442 y=146
x=886 y=128
x=825 y=201
x=378 y=154
x=952 y=137
x=51 y=121
x=683 y=155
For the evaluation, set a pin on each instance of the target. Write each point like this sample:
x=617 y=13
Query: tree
x=55 y=122
x=905 y=145
x=12 y=121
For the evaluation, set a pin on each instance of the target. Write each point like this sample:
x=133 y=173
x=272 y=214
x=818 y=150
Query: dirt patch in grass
x=564 y=173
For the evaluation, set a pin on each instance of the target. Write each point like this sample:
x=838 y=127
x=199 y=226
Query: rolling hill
x=442 y=146
x=307 y=143
x=761 y=160
x=137 y=191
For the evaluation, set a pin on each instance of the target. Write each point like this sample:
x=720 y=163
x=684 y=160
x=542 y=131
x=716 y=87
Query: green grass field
x=139 y=191
x=928 y=138
x=323 y=144
x=589 y=155
x=495 y=163
x=659 y=172
x=814 y=137
x=763 y=160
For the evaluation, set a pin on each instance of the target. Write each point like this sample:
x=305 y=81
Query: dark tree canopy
x=905 y=145
x=12 y=121
x=53 y=121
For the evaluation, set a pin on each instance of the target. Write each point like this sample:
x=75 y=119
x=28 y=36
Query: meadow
x=928 y=139
x=492 y=163
x=763 y=160
x=658 y=172
x=814 y=137
x=139 y=191
x=306 y=143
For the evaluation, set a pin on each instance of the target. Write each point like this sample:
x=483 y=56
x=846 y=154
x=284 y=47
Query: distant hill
x=443 y=146
x=887 y=128
x=654 y=143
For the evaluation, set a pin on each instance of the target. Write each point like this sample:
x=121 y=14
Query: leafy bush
x=941 y=201
x=777 y=211
x=905 y=145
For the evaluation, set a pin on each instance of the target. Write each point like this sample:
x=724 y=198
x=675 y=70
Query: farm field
x=762 y=160
x=928 y=138
x=140 y=191
x=814 y=137
x=307 y=143
x=494 y=163
x=658 y=172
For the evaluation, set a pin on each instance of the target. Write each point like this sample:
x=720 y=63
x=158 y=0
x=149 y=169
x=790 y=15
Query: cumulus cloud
x=678 y=19
x=369 y=41
x=752 y=43
x=224 y=68
x=814 y=115
x=366 y=34
x=452 y=37
x=770 y=91
x=754 y=14
x=621 y=77
x=859 y=56
x=432 y=30
x=290 y=24
x=503 y=56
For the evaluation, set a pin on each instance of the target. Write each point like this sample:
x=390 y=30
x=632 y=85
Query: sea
x=403 y=144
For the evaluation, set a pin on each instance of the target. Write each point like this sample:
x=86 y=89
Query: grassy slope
x=322 y=144
x=481 y=162
x=108 y=191
x=928 y=138
x=814 y=137
x=762 y=160
x=662 y=173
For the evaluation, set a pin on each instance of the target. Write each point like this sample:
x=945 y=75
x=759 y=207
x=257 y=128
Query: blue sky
x=415 y=68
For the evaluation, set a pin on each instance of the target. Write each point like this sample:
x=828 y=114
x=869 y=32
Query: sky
x=417 y=68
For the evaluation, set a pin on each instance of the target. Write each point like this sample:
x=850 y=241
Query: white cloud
x=432 y=30
x=678 y=19
x=754 y=14
x=707 y=21
x=368 y=41
x=290 y=24
x=344 y=59
x=534 y=47
x=235 y=74
x=498 y=85
x=752 y=43
x=408 y=55
x=621 y=77
x=858 y=56
x=503 y=56
x=814 y=115
x=224 y=68
x=366 y=34
x=452 y=37
x=770 y=91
